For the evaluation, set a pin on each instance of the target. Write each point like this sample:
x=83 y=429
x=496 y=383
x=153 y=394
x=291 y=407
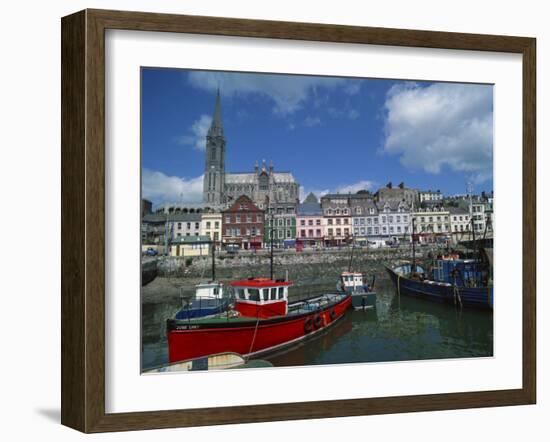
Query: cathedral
x=221 y=188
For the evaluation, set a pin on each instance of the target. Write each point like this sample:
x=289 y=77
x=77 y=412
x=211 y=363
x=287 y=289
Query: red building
x=243 y=224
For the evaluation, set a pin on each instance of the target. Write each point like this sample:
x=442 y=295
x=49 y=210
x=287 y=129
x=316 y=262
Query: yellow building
x=185 y=246
x=211 y=226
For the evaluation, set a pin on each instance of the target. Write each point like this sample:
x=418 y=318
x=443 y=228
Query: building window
x=188 y=225
x=318 y=232
x=197 y=225
x=227 y=219
x=303 y=233
x=338 y=232
x=258 y=218
x=309 y=223
x=317 y=222
x=330 y=232
x=338 y=221
x=248 y=218
x=330 y=221
x=302 y=222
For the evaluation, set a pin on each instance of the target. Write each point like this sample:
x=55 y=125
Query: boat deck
x=294 y=309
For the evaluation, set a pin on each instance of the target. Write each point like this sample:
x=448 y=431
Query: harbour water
x=399 y=329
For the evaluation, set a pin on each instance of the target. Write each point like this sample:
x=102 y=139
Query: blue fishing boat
x=463 y=281
x=458 y=292
x=210 y=298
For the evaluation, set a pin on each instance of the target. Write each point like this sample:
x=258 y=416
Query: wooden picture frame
x=83 y=220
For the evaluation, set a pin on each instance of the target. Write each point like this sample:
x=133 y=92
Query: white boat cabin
x=352 y=280
x=209 y=290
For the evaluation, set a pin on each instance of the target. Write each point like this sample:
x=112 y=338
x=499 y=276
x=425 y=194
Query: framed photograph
x=266 y=221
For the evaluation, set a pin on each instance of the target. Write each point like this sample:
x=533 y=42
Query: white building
x=184 y=224
x=430 y=196
x=394 y=219
x=460 y=220
x=431 y=222
x=478 y=215
x=211 y=226
x=365 y=220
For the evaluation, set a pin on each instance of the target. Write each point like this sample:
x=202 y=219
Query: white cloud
x=441 y=125
x=158 y=187
x=312 y=121
x=343 y=189
x=197 y=137
x=355 y=187
x=350 y=113
x=288 y=92
x=353 y=87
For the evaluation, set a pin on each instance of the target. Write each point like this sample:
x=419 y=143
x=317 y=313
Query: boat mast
x=213 y=244
x=351 y=256
x=271 y=234
x=413 y=266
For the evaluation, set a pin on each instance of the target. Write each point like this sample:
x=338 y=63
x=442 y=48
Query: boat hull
x=249 y=336
x=478 y=297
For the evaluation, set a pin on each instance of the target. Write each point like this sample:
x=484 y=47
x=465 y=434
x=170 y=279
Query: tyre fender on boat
x=308 y=325
x=317 y=321
x=332 y=314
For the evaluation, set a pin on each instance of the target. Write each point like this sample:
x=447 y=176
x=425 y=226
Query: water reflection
x=400 y=328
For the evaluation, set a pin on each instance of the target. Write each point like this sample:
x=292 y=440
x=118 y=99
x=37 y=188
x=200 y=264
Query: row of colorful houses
x=335 y=220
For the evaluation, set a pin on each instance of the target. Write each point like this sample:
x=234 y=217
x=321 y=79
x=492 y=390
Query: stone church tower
x=214 y=167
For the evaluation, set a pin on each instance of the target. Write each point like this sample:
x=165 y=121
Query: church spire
x=216 y=128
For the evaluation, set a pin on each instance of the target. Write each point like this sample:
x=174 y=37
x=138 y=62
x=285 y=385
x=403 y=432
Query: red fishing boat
x=262 y=321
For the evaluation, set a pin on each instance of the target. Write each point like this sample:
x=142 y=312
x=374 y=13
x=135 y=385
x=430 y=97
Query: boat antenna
x=213 y=244
x=351 y=255
x=413 y=266
x=271 y=234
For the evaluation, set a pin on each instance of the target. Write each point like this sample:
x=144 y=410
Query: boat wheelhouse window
x=273 y=293
x=254 y=294
x=281 y=292
x=216 y=290
x=240 y=294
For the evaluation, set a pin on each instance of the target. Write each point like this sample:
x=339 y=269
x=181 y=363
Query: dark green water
x=400 y=329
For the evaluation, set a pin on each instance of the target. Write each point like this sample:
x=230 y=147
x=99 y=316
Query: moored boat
x=210 y=298
x=418 y=285
x=222 y=361
x=262 y=321
x=362 y=293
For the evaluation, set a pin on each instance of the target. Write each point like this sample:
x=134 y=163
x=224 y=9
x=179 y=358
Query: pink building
x=310 y=225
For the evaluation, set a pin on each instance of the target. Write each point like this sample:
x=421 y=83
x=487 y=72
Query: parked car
x=151 y=252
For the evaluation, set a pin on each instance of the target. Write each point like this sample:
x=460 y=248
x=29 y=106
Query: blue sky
x=333 y=134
